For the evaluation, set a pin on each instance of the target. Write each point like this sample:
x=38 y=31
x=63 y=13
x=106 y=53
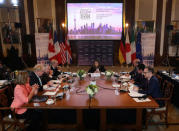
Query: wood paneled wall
x=158 y=32
x=130 y=18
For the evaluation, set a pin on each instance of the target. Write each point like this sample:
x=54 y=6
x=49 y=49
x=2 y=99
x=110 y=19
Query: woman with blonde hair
x=23 y=92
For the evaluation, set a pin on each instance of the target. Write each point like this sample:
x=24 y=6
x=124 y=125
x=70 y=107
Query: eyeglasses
x=145 y=72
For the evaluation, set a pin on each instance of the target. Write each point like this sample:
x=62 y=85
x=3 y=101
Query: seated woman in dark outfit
x=96 y=67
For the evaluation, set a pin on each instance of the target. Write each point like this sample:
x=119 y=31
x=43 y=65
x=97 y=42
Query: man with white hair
x=35 y=76
x=47 y=75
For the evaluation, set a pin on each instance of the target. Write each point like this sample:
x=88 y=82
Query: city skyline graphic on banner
x=94 y=20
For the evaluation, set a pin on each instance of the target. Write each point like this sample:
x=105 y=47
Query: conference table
x=103 y=100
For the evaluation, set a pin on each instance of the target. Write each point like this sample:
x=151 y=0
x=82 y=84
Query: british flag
x=68 y=51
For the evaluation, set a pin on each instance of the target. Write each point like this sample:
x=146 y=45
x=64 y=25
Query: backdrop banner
x=148 y=48
x=41 y=40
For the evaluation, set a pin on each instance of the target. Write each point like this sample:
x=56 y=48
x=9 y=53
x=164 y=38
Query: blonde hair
x=21 y=77
x=38 y=67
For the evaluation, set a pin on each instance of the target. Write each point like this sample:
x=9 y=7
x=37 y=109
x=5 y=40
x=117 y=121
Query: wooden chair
x=8 y=119
x=161 y=111
x=7 y=115
x=160 y=80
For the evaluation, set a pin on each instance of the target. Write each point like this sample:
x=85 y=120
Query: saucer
x=49 y=101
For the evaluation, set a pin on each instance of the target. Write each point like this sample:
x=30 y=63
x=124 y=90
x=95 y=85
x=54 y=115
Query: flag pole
x=124 y=20
x=126 y=27
x=66 y=31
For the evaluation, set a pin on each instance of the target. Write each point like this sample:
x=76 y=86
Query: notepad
x=50 y=93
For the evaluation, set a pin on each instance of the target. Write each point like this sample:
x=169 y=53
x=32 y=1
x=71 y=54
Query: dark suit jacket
x=55 y=72
x=133 y=73
x=140 y=81
x=153 y=89
x=93 y=69
x=35 y=80
x=45 y=78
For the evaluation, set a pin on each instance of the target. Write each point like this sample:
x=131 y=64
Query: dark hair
x=150 y=69
x=141 y=67
x=96 y=61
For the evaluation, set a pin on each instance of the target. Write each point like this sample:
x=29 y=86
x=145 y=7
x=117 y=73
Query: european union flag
x=138 y=47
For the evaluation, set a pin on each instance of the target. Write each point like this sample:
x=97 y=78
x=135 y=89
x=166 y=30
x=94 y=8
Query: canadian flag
x=128 y=49
x=54 y=49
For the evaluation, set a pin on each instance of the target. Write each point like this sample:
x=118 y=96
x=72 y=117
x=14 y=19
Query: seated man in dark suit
x=134 y=71
x=96 y=67
x=139 y=78
x=47 y=75
x=35 y=76
x=54 y=68
x=153 y=88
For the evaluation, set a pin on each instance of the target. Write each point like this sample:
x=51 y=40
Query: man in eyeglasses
x=153 y=86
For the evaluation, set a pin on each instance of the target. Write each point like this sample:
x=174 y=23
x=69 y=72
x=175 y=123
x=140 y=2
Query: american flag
x=63 y=53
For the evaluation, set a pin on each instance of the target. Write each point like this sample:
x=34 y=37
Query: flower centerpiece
x=91 y=90
x=81 y=74
x=108 y=74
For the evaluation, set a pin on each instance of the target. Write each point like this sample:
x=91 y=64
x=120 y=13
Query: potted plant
x=91 y=90
x=81 y=74
x=108 y=74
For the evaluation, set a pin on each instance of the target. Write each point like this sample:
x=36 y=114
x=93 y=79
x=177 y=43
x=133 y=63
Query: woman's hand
x=33 y=92
x=136 y=88
x=51 y=72
x=35 y=89
x=132 y=81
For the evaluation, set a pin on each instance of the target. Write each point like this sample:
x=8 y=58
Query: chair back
x=167 y=89
x=160 y=81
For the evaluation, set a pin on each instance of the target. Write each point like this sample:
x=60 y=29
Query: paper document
x=50 y=93
x=56 y=81
x=135 y=94
x=142 y=100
